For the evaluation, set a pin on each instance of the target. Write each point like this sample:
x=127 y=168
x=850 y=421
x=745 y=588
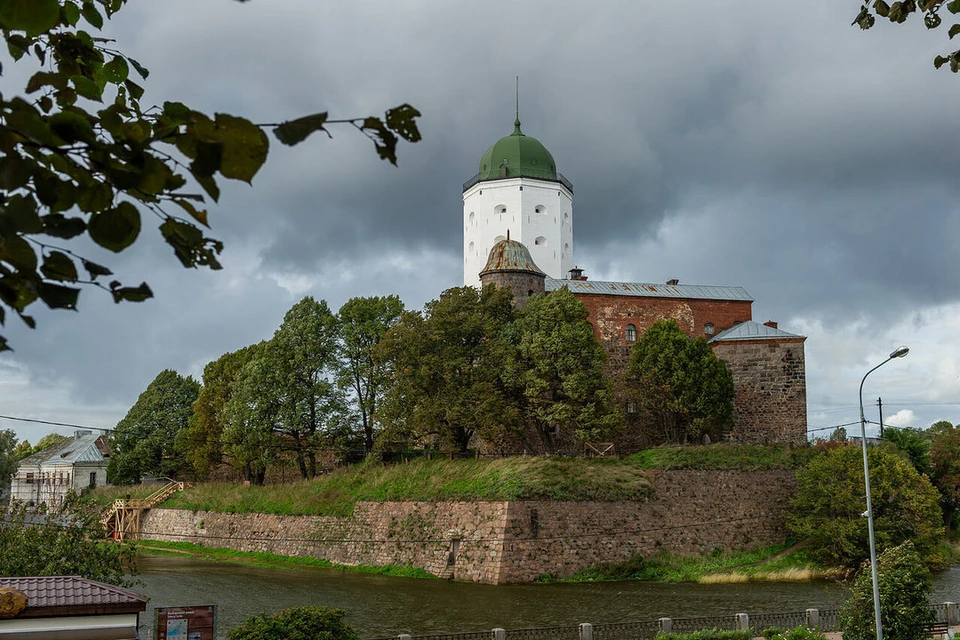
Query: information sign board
x=187 y=623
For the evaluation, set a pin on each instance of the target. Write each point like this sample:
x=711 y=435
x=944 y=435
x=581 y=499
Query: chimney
x=771 y=324
x=673 y=281
x=577 y=274
x=79 y=434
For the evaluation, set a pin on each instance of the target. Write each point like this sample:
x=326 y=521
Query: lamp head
x=899 y=352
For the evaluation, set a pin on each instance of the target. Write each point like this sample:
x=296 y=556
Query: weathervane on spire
x=516 y=123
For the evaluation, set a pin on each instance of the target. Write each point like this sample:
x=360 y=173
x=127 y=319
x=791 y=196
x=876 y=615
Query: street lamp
x=897 y=353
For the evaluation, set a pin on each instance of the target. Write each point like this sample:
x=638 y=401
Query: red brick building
x=767 y=363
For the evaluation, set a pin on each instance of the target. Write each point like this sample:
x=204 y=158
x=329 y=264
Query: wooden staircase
x=122 y=521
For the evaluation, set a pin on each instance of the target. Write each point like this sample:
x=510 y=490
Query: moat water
x=381 y=606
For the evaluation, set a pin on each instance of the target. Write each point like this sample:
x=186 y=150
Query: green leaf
x=954 y=30
x=24 y=119
x=154 y=175
x=198 y=215
x=209 y=185
x=96 y=270
x=16 y=251
x=19 y=215
x=882 y=8
x=209 y=158
x=57 y=296
x=296 y=131
x=932 y=20
x=87 y=88
x=115 y=71
x=59 y=226
x=96 y=197
x=939 y=61
x=45 y=104
x=72 y=127
x=135 y=90
x=71 y=13
x=402 y=120
x=115 y=229
x=59 y=266
x=43 y=78
x=245 y=147
x=953 y=6
x=142 y=70
x=33 y=16
x=132 y=294
x=91 y=15
x=15 y=171
x=383 y=139
x=185 y=239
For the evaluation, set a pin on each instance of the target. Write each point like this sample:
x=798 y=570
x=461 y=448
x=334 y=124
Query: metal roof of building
x=752 y=331
x=510 y=255
x=642 y=289
x=71 y=591
x=88 y=447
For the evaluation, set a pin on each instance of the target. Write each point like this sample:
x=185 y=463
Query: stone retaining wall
x=688 y=512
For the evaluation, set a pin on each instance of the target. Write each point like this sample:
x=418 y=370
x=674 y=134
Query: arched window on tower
x=500 y=209
x=540 y=209
x=630 y=333
x=540 y=241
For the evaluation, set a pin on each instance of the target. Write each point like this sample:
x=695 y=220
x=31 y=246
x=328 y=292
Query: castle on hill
x=518 y=234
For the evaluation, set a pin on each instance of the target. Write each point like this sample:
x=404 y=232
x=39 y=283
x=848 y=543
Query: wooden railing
x=122 y=521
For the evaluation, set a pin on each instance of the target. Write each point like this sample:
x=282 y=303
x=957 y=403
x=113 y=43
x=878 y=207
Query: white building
x=72 y=465
x=518 y=189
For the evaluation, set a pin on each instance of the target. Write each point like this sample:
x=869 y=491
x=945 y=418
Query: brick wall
x=769 y=379
x=610 y=315
x=688 y=512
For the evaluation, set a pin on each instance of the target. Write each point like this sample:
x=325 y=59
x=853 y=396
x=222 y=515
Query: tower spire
x=516 y=123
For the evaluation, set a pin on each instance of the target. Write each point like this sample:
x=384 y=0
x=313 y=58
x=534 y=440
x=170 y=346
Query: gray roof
x=646 y=290
x=752 y=331
x=78 y=449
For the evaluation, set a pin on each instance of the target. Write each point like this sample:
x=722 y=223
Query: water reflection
x=380 y=606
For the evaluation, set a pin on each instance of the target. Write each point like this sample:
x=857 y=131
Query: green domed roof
x=518 y=155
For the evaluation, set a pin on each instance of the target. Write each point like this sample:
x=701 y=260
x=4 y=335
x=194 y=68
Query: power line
x=55 y=424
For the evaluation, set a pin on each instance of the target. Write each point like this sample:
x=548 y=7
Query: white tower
x=518 y=188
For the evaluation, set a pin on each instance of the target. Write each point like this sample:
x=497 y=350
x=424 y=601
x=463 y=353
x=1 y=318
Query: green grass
x=271 y=560
x=335 y=494
x=719 y=566
x=723 y=456
x=420 y=479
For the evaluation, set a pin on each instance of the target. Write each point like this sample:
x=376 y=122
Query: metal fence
x=824 y=619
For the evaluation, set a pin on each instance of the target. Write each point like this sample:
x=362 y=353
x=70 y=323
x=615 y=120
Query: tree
x=899 y=11
x=143 y=441
x=8 y=457
x=445 y=364
x=72 y=173
x=302 y=356
x=24 y=449
x=904 y=584
x=254 y=408
x=914 y=444
x=945 y=473
x=296 y=623
x=363 y=324
x=201 y=440
x=680 y=387
x=557 y=371
x=830 y=499
x=66 y=543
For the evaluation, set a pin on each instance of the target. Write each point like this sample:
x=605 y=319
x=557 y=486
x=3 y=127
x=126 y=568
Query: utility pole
x=880 y=405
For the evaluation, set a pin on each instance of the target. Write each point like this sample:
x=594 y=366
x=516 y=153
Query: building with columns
x=518 y=234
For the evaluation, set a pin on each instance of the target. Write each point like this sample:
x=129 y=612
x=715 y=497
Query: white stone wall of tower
x=538 y=213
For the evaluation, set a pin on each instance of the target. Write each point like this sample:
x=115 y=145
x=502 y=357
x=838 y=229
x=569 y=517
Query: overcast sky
x=768 y=146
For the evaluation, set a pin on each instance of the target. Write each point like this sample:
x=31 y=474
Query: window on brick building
x=708 y=328
x=29 y=479
x=630 y=333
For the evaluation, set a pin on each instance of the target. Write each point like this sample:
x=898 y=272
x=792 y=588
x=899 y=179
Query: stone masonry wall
x=769 y=378
x=688 y=512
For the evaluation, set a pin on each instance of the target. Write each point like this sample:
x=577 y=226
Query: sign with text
x=187 y=623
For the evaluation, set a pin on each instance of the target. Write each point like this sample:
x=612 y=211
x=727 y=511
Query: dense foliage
x=82 y=160
x=914 y=444
x=8 y=456
x=680 y=388
x=898 y=12
x=556 y=369
x=296 y=623
x=144 y=440
x=36 y=543
x=831 y=498
x=904 y=585
x=945 y=473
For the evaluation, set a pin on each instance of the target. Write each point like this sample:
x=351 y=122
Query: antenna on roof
x=516 y=123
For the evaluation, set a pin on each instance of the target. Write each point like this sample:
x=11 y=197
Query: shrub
x=904 y=582
x=296 y=623
x=797 y=633
x=709 y=634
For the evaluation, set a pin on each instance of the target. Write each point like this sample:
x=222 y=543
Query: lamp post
x=898 y=353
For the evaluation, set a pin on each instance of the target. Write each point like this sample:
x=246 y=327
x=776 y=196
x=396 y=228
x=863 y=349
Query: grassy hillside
x=533 y=478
